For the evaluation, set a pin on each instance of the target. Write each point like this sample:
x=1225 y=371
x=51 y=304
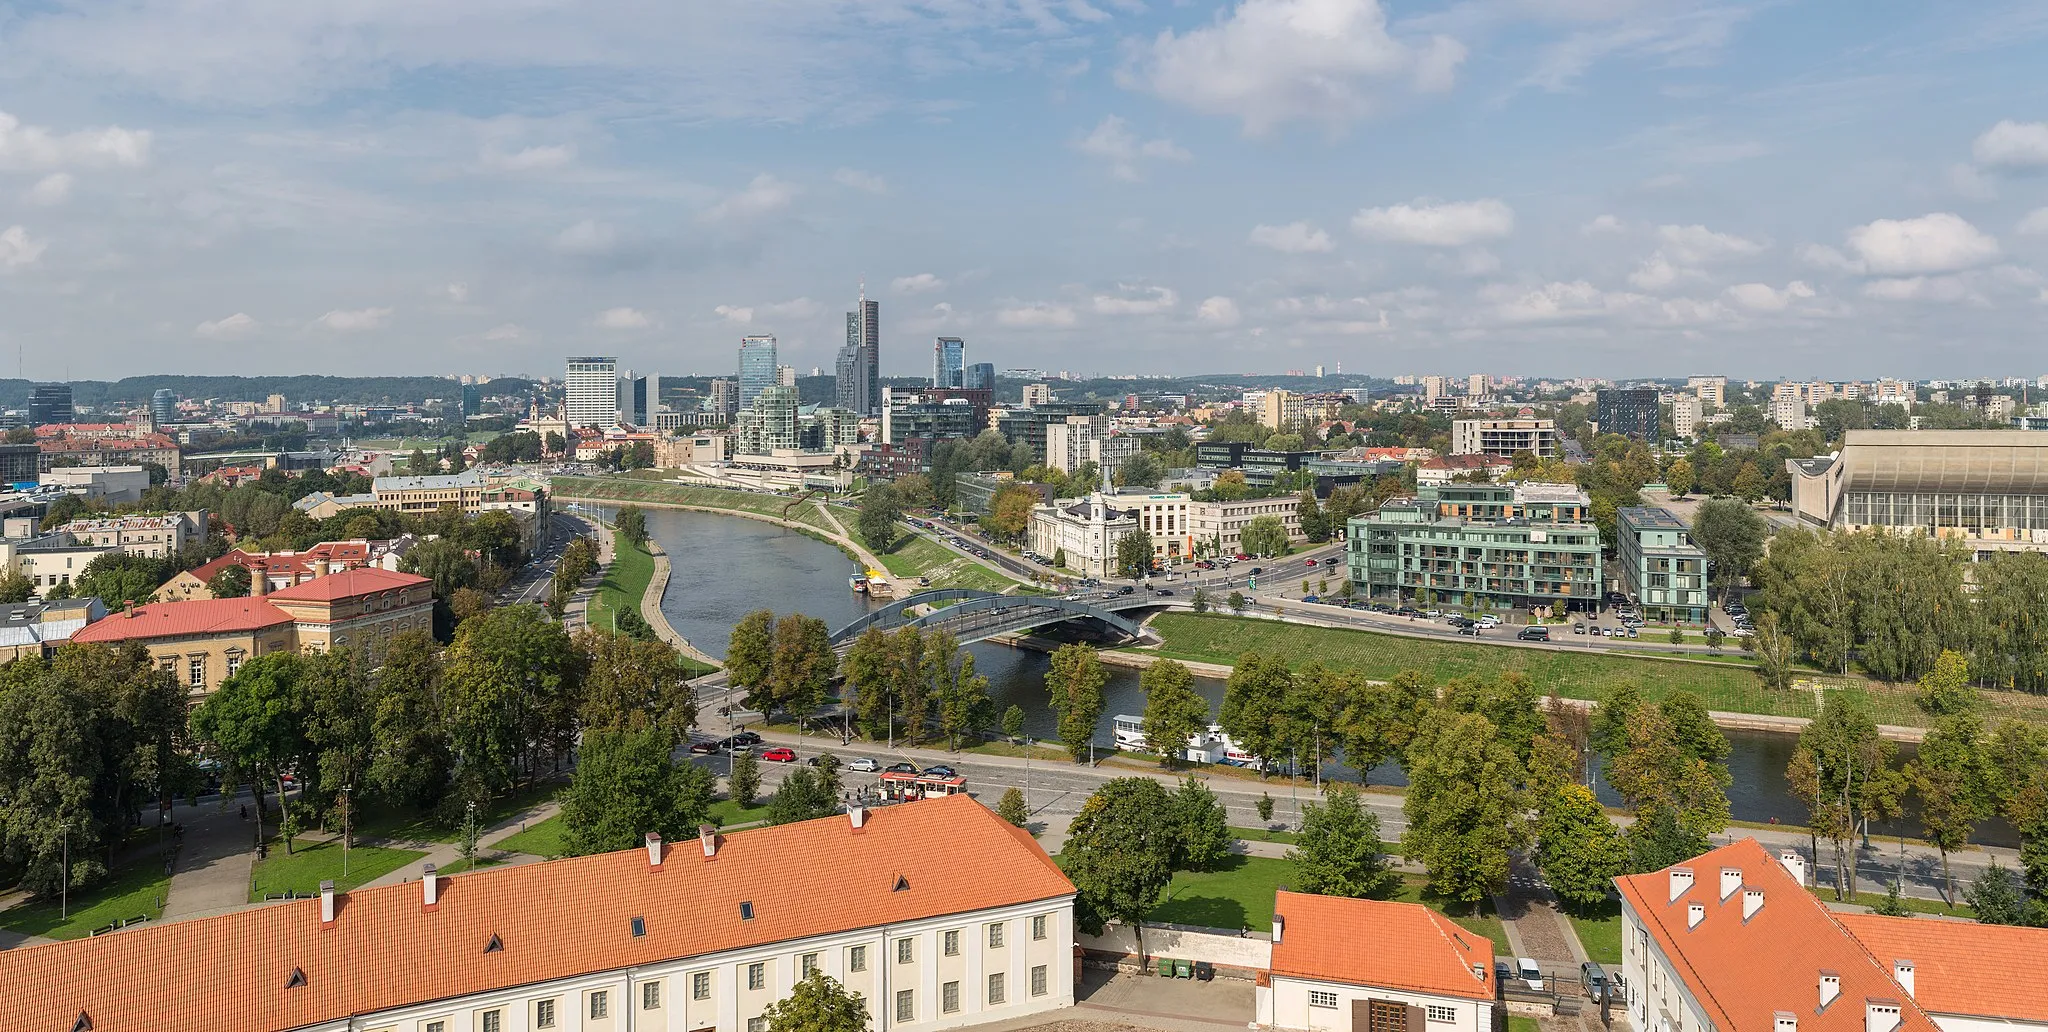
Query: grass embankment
x=313 y=862
x=406 y=825
x=1240 y=894
x=626 y=489
x=1574 y=675
x=136 y=890
x=624 y=585
x=1913 y=904
x=1599 y=931
x=915 y=555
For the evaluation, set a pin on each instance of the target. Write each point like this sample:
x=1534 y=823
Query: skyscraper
x=634 y=396
x=50 y=403
x=590 y=391
x=757 y=367
x=949 y=362
x=860 y=361
x=163 y=406
x=981 y=376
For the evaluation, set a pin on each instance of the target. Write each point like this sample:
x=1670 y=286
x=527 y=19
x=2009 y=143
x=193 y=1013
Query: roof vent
x=496 y=945
x=1794 y=864
x=858 y=815
x=297 y=979
x=83 y=1024
x=1731 y=879
x=1880 y=1015
x=708 y=835
x=746 y=910
x=639 y=927
x=327 y=902
x=1752 y=901
x=902 y=884
x=654 y=850
x=1279 y=926
x=1830 y=987
x=1902 y=973
x=1694 y=914
x=430 y=887
x=1681 y=880
x=1785 y=1021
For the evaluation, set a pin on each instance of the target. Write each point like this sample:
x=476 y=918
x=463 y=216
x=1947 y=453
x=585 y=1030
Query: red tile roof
x=344 y=552
x=1961 y=967
x=365 y=580
x=1388 y=945
x=556 y=920
x=1743 y=972
x=179 y=619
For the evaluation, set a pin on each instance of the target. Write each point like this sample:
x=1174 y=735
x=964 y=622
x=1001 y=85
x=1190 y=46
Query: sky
x=1609 y=188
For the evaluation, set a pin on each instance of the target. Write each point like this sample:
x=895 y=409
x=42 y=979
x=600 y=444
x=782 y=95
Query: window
x=906 y=1006
x=857 y=958
x=757 y=976
x=1439 y=1012
x=650 y=996
x=903 y=951
x=949 y=997
x=1038 y=980
x=952 y=941
x=1038 y=927
x=493 y=1022
x=600 y=1005
x=700 y=985
x=757 y=1024
x=995 y=936
x=436 y=1026
x=544 y=1014
x=234 y=663
x=807 y=964
x=197 y=670
x=1321 y=998
x=995 y=989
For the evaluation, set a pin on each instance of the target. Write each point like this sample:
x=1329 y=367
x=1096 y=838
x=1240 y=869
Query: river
x=725 y=566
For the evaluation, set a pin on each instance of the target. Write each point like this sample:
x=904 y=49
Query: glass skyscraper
x=981 y=376
x=163 y=406
x=757 y=367
x=949 y=362
x=859 y=386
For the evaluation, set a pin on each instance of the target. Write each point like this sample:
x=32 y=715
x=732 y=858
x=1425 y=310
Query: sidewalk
x=217 y=859
x=441 y=854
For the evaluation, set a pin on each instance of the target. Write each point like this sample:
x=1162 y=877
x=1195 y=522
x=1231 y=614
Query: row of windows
x=1434 y=1011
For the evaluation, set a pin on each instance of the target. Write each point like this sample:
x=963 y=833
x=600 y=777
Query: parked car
x=1489 y=620
x=940 y=771
x=864 y=764
x=706 y=747
x=1594 y=978
x=1578 y=628
x=903 y=768
x=780 y=754
x=1534 y=634
x=1502 y=972
x=1529 y=973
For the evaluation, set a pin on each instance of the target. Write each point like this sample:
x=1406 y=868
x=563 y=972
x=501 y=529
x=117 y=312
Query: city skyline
x=1561 y=187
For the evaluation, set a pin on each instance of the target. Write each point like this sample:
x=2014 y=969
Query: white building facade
x=1352 y=965
x=590 y=392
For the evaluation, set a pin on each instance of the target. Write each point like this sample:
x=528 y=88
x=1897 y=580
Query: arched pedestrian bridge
x=977 y=615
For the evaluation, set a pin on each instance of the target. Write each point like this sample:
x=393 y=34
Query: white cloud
x=855 y=179
x=1450 y=224
x=1559 y=302
x=1467 y=262
x=233 y=327
x=1113 y=142
x=587 y=237
x=1970 y=181
x=1698 y=245
x=1821 y=256
x=1221 y=311
x=763 y=195
x=1762 y=297
x=1939 y=242
x=18 y=250
x=621 y=319
x=795 y=308
x=2034 y=224
x=356 y=320
x=1292 y=238
x=735 y=314
x=921 y=283
x=29 y=147
x=50 y=190
x=504 y=331
x=2013 y=145
x=1943 y=289
x=1655 y=273
x=530 y=159
x=1035 y=314
x=1602 y=225
x=1275 y=61
x=1148 y=301
x=456 y=292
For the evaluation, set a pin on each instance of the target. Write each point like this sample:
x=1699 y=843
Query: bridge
x=978 y=615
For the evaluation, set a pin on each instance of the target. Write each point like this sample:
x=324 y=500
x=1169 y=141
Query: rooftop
x=181 y=619
x=1649 y=517
x=437 y=482
x=1986 y=971
x=1388 y=945
x=364 y=580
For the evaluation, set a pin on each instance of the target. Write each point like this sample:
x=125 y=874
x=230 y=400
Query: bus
x=898 y=787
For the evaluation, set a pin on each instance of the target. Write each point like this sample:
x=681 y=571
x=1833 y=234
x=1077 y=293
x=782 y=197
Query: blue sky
x=1572 y=187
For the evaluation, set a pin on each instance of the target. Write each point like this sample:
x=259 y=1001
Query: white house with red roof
x=1357 y=964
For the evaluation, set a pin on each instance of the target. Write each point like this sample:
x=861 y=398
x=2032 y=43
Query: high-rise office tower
x=163 y=406
x=725 y=398
x=590 y=391
x=50 y=403
x=634 y=398
x=757 y=367
x=981 y=376
x=949 y=362
x=860 y=361
x=785 y=376
x=472 y=402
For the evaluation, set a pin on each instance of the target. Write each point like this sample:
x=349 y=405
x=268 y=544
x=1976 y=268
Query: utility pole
x=65 y=912
x=345 y=815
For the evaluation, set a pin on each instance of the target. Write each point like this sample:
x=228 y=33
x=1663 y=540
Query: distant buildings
x=1685 y=416
x=981 y=376
x=757 y=368
x=288 y=569
x=1504 y=437
x=1527 y=544
x=1037 y=394
x=1987 y=489
x=163 y=406
x=859 y=378
x=1659 y=567
x=1083 y=439
x=1280 y=409
x=50 y=403
x=1444 y=469
x=155 y=537
x=590 y=392
x=1789 y=412
x=768 y=422
x=949 y=362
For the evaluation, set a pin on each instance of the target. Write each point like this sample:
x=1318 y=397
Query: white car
x=1489 y=621
x=1529 y=973
x=864 y=763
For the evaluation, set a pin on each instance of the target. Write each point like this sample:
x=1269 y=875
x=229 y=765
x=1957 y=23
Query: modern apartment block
x=1633 y=412
x=768 y=424
x=1789 y=413
x=1985 y=488
x=1685 y=416
x=757 y=368
x=1526 y=544
x=1658 y=566
x=590 y=392
x=1280 y=409
x=1504 y=437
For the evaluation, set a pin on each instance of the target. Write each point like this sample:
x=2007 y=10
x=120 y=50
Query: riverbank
x=853 y=549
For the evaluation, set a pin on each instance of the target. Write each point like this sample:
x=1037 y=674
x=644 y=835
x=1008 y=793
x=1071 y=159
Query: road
x=533 y=580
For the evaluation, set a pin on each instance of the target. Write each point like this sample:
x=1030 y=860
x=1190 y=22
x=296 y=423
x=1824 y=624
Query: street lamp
x=65 y=875
x=345 y=815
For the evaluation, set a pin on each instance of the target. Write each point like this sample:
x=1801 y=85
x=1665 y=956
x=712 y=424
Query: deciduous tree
x=1338 y=851
x=1119 y=854
x=1074 y=683
x=231 y=582
x=628 y=784
x=1202 y=830
x=1174 y=712
x=1578 y=848
x=750 y=656
x=1465 y=805
x=817 y=1003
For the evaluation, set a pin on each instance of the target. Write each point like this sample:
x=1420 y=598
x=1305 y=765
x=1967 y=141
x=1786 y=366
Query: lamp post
x=345 y=815
x=65 y=875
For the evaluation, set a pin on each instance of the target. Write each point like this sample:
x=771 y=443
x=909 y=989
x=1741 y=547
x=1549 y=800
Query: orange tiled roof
x=1389 y=945
x=365 y=580
x=179 y=619
x=555 y=920
x=1961 y=967
x=1743 y=973
x=343 y=552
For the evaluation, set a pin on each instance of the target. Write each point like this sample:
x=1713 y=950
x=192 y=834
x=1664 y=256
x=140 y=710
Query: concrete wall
x=1240 y=954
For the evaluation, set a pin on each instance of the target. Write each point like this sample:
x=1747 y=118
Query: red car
x=779 y=755
x=1311 y=562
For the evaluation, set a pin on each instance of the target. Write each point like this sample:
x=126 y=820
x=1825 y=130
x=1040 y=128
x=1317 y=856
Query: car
x=1472 y=630
x=706 y=748
x=780 y=754
x=1308 y=562
x=1126 y=590
x=1529 y=973
x=1256 y=570
x=1458 y=621
x=864 y=764
x=1502 y=973
x=903 y=768
x=940 y=771
x=1312 y=599
x=1594 y=978
x=1432 y=613
x=746 y=738
x=1534 y=634
x=1632 y=630
x=1163 y=592
x=1489 y=620
x=1578 y=628
x=1240 y=557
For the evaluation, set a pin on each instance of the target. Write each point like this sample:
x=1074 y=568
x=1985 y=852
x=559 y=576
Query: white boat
x=1130 y=731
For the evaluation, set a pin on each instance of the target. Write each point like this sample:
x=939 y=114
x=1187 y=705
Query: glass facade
x=1931 y=511
x=757 y=368
x=949 y=362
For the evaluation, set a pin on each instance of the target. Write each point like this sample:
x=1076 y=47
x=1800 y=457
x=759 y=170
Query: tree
x=1133 y=554
x=1379 y=720
x=1732 y=535
x=1140 y=470
x=512 y=687
x=1693 y=727
x=959 y=694
x=1199 y=600
x=868 y=669
x=410 y=760
x=1013 y=722
x=1010 y=512
x=881 y=512
x=630 y=685
x=1264 y=535
x=1749 y=483
x=631 y=522
x=120 y=578
x=1264 y=806
x=1948 y=775
x=1314 y=524
x=1848 y=763
x=256 y=722
x=16 y=587
x=1059 y=558
x=1201 y=827
x=1679 y=478
x=1074 y=682
x=802 y=666
x=817 y=1003
x=750 y=656
x=1608 y=728
x=803 y=795
x=626 y=785
x=1338 y=852
x=1465 y=805
x=744 y=782
x=1675 y=795
x=1578 y=848
x=1998 y=897
x=1174 y=712
x=1255 y=704
x=1238 y=602
x=1011 y=807
x=1945 y=690
x=1119 y=854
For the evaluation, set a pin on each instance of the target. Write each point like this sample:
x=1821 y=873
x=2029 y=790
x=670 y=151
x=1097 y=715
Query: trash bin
x=1204 y=971
x=1183 y=969
x=1165 y=967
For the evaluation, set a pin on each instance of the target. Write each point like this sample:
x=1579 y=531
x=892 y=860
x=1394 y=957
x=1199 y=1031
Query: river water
x=724 y=566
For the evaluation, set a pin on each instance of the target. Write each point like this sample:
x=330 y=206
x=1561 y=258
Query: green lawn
x=1726 y=686
x=549 y=838
x=1265 y=835
x=302 y=871
x=628 y=489
x=460 y=866
x=624 y=585
x=725 y=813
x=1414 y=889
x=1600 y=932
x=1519 y=1023
x=916 y=555
x=1913 y=905
x=134 y=891
x=413 y=826
x=1240 y=894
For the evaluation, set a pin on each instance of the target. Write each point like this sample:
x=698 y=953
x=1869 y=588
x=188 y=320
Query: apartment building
x=153 y=536
x=1504 y=437
x=1280 y=409
x=1712 y=391
x=1352 y=965
x=1525 y=544
x=937 y=913
x=1686 y=411
x=1634 y=412
x=1658 y=566
x=1789 y=412
x=426 y=494
x=1217 y=528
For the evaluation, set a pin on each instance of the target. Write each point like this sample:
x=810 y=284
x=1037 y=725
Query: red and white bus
x=905 y=787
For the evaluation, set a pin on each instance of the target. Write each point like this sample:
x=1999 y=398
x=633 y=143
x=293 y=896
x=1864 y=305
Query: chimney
x=1830 y=987
x=858 y=814
x=1752 y=901
x=1902 y=973
x=1681 y=880
x=327 y=902
x=320 y=567
x=1694 y=914
x=1731 y=879
x=259 y=578
x=128 y=609
x=708 y=835
x=1786 y=1021
x=1880 y=1015
x=1279 y=926
x=654 y=850
x=430 y=887
x=1794 y=864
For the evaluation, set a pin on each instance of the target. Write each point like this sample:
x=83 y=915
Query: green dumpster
x=1165 y=967
x=1183 y=969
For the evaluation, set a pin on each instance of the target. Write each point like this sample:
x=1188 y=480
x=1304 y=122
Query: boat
x=879 y=586
x=858 y=583
x=1130 y=731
